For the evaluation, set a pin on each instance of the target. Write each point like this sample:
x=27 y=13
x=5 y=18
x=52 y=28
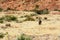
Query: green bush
x=42 y=11
x=45 y=11
x=10 y=18
x=1 y=21
x=1 y=18
x=23 y=37
x=1 y=35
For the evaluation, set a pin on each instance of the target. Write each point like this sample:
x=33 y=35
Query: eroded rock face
x=30 y=4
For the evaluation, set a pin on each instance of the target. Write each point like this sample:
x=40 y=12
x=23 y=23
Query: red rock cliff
x=30 y=4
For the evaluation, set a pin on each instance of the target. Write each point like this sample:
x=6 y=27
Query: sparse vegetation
x=42 y=11
x=1 y=18
x=10 y=18
x=23 y=37
x=33 y=15
x=29 y=18
x=1 y=9
x=13 y=29
x=45 y=11
x=1 y=21
x=28 y=15
x=1 y=35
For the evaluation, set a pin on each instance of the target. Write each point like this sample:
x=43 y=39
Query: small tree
x=45 y=11
x=23 y=37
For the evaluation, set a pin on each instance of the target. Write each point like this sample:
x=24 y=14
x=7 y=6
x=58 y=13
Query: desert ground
x=49 y=29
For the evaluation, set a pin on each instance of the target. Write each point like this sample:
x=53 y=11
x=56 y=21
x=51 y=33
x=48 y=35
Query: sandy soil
x=50 y=26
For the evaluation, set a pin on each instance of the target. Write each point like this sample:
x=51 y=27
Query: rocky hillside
x=30 y=4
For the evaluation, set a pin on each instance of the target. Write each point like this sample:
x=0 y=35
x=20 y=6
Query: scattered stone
x=45 y=18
